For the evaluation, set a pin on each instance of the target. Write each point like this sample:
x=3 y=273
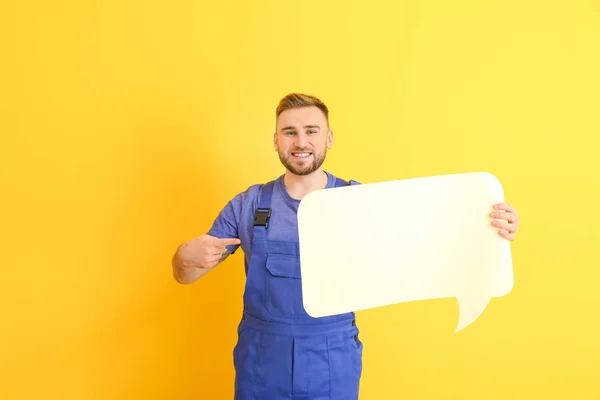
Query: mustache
x=299 y=150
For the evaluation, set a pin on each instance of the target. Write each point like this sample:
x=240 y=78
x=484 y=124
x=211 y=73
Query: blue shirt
x=236 y=219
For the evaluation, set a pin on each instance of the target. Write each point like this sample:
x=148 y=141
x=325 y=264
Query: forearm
x=184 y=272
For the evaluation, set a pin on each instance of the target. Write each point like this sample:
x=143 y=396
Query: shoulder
x=335 y=181
x=250 y=197
x=250 y=192
x=247 y=198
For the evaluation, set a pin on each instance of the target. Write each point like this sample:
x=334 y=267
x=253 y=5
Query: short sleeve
x=228 y=223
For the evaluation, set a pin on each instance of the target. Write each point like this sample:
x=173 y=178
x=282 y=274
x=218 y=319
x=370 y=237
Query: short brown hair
x=299 y=100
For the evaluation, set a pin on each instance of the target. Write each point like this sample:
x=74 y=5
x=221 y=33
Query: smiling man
x=282 y=352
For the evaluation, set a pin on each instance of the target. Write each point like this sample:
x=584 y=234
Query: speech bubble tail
x=470 y=307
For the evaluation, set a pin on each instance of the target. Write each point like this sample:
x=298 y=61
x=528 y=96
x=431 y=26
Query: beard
x=303 y=168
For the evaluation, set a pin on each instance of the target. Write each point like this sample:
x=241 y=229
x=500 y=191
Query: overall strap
x=340 y=182
x=263 y=212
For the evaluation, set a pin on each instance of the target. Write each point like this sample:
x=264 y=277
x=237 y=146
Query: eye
x=290 y=133
x=312 y=131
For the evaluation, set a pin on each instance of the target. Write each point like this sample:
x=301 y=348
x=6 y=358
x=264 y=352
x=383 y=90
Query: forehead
x=299 y=117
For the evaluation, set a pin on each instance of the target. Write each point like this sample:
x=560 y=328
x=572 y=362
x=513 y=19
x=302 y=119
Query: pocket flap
x=283 y=265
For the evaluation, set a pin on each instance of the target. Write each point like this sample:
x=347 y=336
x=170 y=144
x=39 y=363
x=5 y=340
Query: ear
x=329 y=139
x=275 y=142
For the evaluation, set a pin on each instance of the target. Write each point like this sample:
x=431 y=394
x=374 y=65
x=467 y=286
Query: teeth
x=301 y=154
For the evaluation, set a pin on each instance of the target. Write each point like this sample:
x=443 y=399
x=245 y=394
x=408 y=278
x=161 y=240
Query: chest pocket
x=283 y=286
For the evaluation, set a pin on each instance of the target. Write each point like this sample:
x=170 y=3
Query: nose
x=301 y=141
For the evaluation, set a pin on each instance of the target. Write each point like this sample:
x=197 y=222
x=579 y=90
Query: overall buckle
x=262 y=216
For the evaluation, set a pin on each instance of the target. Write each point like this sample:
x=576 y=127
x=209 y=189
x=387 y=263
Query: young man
x=281 y=351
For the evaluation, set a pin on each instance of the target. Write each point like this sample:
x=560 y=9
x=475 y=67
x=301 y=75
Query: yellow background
x=127 y=125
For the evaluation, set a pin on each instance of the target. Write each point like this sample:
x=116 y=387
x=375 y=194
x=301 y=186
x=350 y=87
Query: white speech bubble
x=378 y=244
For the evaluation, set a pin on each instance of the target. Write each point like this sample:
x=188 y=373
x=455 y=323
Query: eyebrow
x=305 y=126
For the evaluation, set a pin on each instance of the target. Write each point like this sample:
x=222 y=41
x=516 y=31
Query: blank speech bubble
x=372 y=245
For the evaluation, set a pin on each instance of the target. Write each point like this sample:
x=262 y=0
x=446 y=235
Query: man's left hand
x=506 y=220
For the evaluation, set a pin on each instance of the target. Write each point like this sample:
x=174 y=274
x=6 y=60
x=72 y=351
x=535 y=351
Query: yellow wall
x=118 y=119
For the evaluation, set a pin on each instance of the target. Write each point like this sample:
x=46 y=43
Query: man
x=281 y=351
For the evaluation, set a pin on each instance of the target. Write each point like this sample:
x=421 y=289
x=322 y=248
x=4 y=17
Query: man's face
x=302 y=139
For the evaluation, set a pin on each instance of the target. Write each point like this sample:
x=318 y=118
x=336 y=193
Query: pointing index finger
x=229 y=241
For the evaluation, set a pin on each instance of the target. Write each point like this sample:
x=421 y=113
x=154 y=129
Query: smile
x=301 y=155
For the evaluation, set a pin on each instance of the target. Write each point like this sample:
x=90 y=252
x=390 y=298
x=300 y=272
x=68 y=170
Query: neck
x=299 y=186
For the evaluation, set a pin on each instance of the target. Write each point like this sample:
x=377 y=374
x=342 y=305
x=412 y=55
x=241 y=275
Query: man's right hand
x=205 y=251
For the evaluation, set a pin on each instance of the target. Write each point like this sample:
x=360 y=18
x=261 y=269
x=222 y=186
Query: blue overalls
x=282 y=352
